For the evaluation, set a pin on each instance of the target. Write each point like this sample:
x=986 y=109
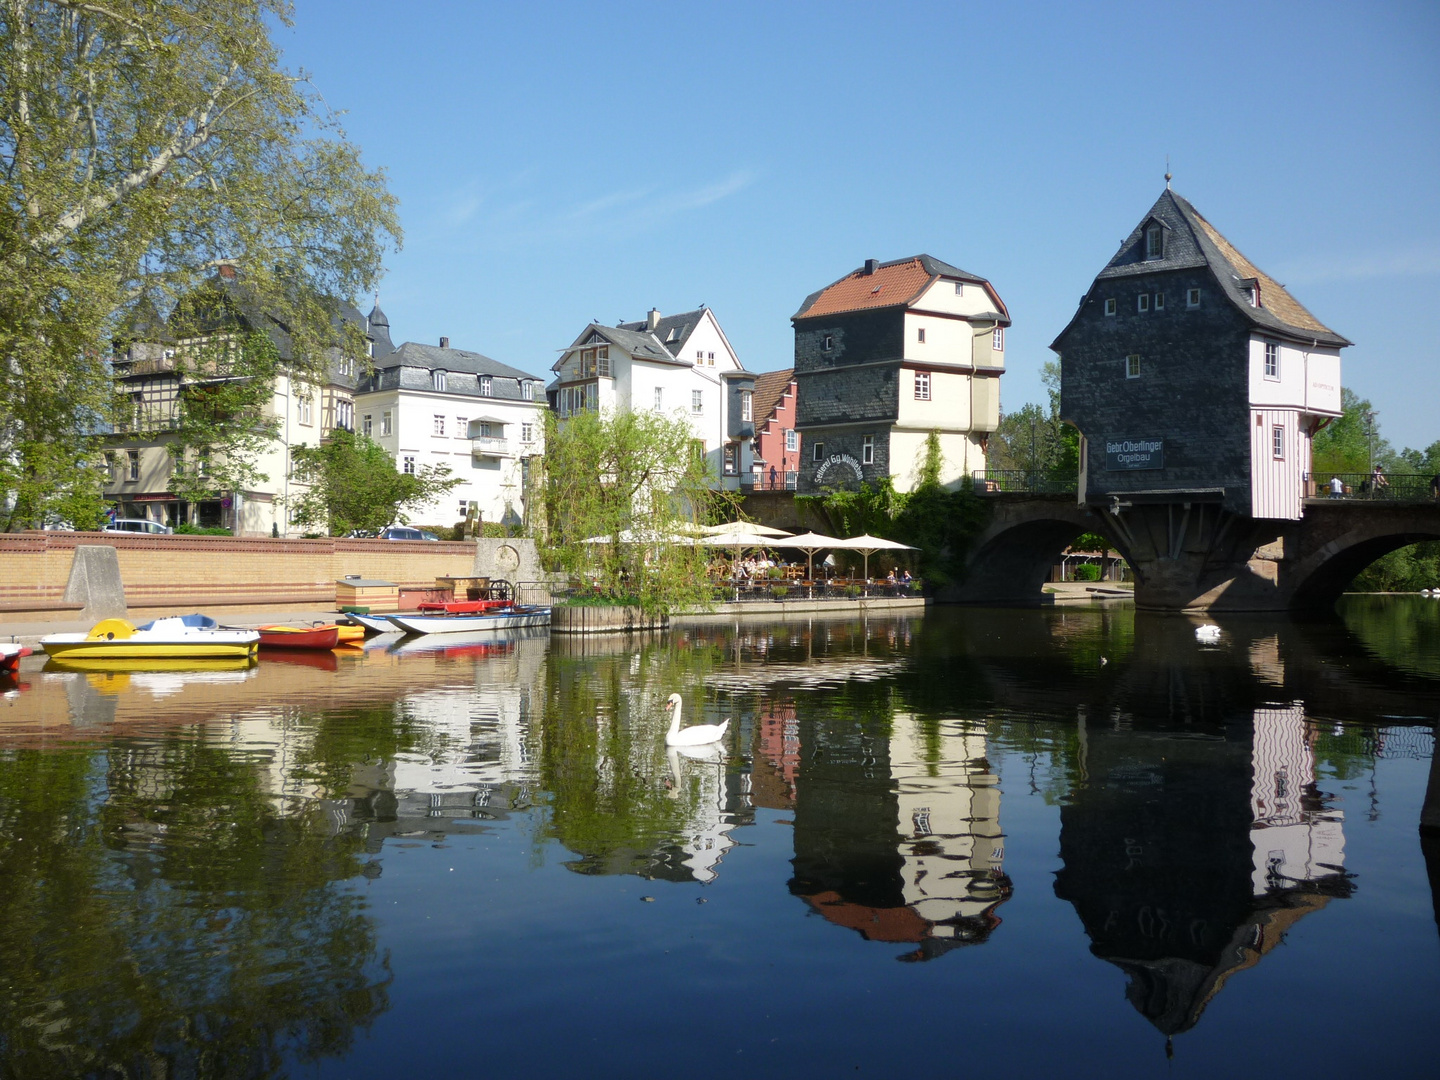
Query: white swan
x=1208 y=633
x=697 y=734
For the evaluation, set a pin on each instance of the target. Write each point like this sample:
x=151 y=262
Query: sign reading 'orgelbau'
x=1134 y=454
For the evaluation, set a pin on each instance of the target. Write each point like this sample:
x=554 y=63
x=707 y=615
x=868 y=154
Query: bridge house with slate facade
x=1194 y=376
x=888 y=354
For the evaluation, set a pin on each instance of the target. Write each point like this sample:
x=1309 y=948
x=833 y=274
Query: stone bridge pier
x=1194 y=556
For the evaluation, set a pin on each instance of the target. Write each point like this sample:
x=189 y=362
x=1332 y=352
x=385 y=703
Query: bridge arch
x=1340 y=542
x=1010 y=560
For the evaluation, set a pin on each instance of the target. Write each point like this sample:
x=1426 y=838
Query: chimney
x=652 y=320
x=871 y=265
x=444 y=342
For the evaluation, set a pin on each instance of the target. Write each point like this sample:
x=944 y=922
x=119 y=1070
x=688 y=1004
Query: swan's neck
x=675 y=720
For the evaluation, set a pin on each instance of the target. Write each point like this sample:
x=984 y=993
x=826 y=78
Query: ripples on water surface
x=1037 y=843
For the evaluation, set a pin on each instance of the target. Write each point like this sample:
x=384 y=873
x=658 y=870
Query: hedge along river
x=1044 y=842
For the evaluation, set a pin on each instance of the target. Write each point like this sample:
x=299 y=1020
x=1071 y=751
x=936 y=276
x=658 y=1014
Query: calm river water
x=1043 y=843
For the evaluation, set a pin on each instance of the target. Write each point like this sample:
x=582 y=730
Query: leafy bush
x=1087 y=572
x=779 y=591
x=202 y=530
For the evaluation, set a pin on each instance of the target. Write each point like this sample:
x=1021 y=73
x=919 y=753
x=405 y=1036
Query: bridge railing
x=1019 y=481
x=1397 y=487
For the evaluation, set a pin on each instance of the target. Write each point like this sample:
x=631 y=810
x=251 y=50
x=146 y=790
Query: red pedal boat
x=10 y=655
x=319 y=638
x=462 y=607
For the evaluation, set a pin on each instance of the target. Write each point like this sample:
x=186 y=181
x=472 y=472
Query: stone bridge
x=1194 y=556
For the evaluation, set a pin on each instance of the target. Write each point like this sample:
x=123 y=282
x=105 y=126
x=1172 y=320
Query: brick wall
x=193 y=571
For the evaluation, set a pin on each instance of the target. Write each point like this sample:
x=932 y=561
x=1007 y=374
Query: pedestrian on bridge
x=1337 y=487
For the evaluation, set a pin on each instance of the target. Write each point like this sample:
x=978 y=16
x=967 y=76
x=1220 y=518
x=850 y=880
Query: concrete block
x=512 y=559
x=95 y=582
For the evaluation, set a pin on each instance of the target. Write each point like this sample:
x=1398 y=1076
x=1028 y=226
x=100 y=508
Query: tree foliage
x=1034 y=440
x=144 y=143
x=353 y=485
x=637 y=480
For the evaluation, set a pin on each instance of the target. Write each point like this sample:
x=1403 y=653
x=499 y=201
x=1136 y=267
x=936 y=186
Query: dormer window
x=527 y=391
x=485 y=383
x=438 y=378
x=1154 y=241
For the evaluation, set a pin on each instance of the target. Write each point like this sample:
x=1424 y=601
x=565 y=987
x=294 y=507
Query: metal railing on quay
x=1020 y=481
x=1392 y=487
x=779 y=482
x=769 y=591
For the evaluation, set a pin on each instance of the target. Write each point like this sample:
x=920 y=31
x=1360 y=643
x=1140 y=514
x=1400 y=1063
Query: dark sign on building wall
x=1134 y=454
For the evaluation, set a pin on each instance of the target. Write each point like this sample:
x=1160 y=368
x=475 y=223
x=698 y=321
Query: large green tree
x=354 y=485
x=144 y=143
x=636 y=485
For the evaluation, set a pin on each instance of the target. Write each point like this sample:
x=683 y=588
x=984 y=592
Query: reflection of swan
x=696 y=735
x=1208 y=634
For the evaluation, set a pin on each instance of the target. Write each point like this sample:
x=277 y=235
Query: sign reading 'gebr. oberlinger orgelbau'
x=1134 y=454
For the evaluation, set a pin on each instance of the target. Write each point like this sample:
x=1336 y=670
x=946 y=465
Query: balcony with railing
x=1021 y=482
x=490 y=446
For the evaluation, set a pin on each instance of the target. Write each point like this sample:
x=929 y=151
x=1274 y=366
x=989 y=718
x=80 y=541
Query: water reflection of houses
x=897 y=834
x=1187 y=859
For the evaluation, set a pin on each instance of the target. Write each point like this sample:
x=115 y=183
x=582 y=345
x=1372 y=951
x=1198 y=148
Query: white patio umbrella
x=867 y=545
x=808 y=542
x=644 y=536
x=742 y=527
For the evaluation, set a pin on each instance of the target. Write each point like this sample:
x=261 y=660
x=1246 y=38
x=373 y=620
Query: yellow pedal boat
x=118 y=639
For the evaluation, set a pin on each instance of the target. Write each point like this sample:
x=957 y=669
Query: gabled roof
x=770 y=387
x=638 y=343
x=892 y=284
x=432 y=357
x=1192 y=242
x=673 y=331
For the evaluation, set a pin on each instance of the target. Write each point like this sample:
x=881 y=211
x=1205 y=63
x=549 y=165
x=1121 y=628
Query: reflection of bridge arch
x=1194 y=556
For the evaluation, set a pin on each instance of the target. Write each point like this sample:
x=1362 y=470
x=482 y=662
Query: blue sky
x=562 y=162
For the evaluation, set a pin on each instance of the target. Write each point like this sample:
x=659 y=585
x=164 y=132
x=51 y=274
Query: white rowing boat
x=506 y=619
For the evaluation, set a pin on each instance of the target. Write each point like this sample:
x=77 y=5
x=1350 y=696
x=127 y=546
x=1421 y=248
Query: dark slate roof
x=432 y=357
x=378 y=327
x=1192 y=242
x=638 y=343
x=672 y=331
x=897 y=283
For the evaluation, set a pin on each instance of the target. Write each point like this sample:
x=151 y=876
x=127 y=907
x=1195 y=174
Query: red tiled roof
x=889 y=286
x=769 y=389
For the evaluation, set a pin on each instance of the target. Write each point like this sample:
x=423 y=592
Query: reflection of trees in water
x=161 y=916
x=1402 y=631
x=616 y=799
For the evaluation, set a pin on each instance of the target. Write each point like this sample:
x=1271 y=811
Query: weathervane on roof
x=1167 y=172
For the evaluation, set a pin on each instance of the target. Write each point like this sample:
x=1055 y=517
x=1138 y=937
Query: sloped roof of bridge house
x=898 y=283
x=1192 y=242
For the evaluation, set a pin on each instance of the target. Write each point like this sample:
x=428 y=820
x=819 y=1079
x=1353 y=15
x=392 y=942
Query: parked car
x=405 y=532
x=138 y=525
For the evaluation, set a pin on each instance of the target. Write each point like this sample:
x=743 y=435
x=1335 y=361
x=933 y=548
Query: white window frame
x=959 y=288
x=437 y=426
x=133 y=465
x=817 y=452
x=345 y=414
x=1142 y=303
x=1272 y=361
x=792 y=440
x=867 y=449
x=1132 y=366
x=1154 y=243
x=922 y=386
x=486 y=385
x=1159 y=301
x=747 y=406
x=407 y=465
x=697 y=402
x=730 y=458
x=1192 y=298
x=367 y=424
x=305 y=410
x=1110 y=305
x=997 y=339
x=920 y=335
x=462 y=427
x=710 y=359
x=386 y=422
x=527 y=432
x=437 y=379
x=827 y=343
x=527 y=391
x=1277 y=442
